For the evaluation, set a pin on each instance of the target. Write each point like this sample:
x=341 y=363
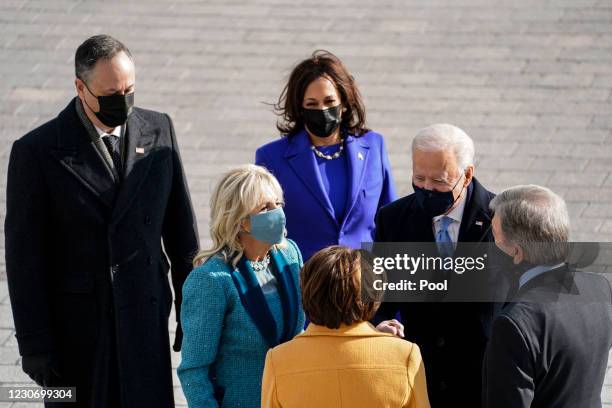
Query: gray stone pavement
x=530 y=81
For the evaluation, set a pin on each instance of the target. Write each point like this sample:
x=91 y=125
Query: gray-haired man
x=549 y=346
x=449 y=207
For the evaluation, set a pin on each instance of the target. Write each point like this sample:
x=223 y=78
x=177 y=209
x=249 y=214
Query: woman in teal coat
x=244 y=296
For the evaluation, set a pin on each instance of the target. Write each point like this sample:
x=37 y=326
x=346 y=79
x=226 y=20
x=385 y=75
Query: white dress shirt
x=116 y=131
x=453 y=229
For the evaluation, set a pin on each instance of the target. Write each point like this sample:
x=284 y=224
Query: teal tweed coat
x=223 y=352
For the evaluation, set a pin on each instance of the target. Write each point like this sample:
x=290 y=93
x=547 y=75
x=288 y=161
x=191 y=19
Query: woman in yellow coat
x=341 y=360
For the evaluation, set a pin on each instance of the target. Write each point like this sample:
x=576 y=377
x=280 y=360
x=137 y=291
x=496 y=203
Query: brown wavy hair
x=331 y=284
x=321 y=64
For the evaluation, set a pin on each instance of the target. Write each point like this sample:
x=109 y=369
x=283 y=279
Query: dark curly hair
x=321 y=64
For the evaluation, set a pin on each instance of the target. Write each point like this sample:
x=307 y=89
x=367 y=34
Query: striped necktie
x=112 y=144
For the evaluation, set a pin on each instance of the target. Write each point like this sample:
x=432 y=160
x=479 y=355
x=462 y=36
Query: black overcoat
x=86 y=268
x=452 y=336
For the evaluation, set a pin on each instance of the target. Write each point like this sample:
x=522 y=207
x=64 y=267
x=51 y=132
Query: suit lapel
x=357 y=158
x=304 y=164
x=476 y=220
x=140 y=140
x=77 y=153
x=417 y=227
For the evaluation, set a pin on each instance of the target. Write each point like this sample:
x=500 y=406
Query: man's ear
x=78 y=84
x=469 y=175
x=519 y=255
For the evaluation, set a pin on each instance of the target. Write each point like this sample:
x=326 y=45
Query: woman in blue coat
x=335 y=173
x=244 y=298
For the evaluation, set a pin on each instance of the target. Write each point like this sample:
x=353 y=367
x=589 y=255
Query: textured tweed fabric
x=223 y=353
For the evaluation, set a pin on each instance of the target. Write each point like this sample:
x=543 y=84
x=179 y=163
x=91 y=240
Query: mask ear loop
x=455 y=200
x=92 y=94
x=243 y=229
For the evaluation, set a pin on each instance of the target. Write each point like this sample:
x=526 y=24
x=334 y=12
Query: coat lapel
x=254 y=301
x=288 y=292
x=138 y=159
x=304 y=164
x=476 y=220
x=357 y=151
x=77 y=153
x=417 y=226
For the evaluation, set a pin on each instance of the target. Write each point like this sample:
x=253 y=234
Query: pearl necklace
x=262 y=265
x=327 y=156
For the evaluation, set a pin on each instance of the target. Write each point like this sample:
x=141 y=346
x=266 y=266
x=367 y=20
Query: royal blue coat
x=311 y=222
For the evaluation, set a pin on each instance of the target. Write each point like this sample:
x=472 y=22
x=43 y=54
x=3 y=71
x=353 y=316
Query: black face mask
x=322 y=122
x=114 y=109
x=433 y=202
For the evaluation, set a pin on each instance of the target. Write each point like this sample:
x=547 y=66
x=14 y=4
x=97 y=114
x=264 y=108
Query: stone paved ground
x=530 y=81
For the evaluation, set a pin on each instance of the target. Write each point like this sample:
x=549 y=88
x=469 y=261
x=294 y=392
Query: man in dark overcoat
x=98 y=212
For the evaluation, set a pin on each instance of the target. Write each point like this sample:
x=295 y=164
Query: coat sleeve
x=388 y=194
x=379 y=233
x=202 y=315
x=508 y=372
x=301 y=316
x=416 y=377
x=180 y=231
x=387 y=310
x=269 y=399
x=261 y=159
x=298 y=253
x=27 y=241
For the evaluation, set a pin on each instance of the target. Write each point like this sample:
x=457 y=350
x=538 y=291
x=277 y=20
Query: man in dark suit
x=90 y=196
x=449 y=206
x=549 y=346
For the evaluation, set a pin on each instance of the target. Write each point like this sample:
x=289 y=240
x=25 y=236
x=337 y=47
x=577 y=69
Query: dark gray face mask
x=322 y=122
x=114 y=109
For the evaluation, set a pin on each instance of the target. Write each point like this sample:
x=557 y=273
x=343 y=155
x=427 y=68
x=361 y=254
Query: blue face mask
x=269 y=226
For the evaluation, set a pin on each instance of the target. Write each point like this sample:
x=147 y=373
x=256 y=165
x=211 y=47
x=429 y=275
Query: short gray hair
x=536 y=219
x=441 y=137
x=94 y=49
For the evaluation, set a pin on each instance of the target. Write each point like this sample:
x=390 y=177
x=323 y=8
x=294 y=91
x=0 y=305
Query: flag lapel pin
x=360 y=156
x=140 y=150
x=479 y=223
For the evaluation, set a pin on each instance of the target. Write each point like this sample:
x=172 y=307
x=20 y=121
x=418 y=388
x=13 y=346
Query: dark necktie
x=112 y=143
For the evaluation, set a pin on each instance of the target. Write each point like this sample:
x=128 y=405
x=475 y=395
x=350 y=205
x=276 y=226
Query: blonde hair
x=235 y=196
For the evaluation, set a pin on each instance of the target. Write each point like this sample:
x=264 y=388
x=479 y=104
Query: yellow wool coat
x=353 y=366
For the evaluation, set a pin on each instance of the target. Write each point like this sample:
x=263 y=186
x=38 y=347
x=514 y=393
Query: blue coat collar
x=304 y=164
x=254 y=301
